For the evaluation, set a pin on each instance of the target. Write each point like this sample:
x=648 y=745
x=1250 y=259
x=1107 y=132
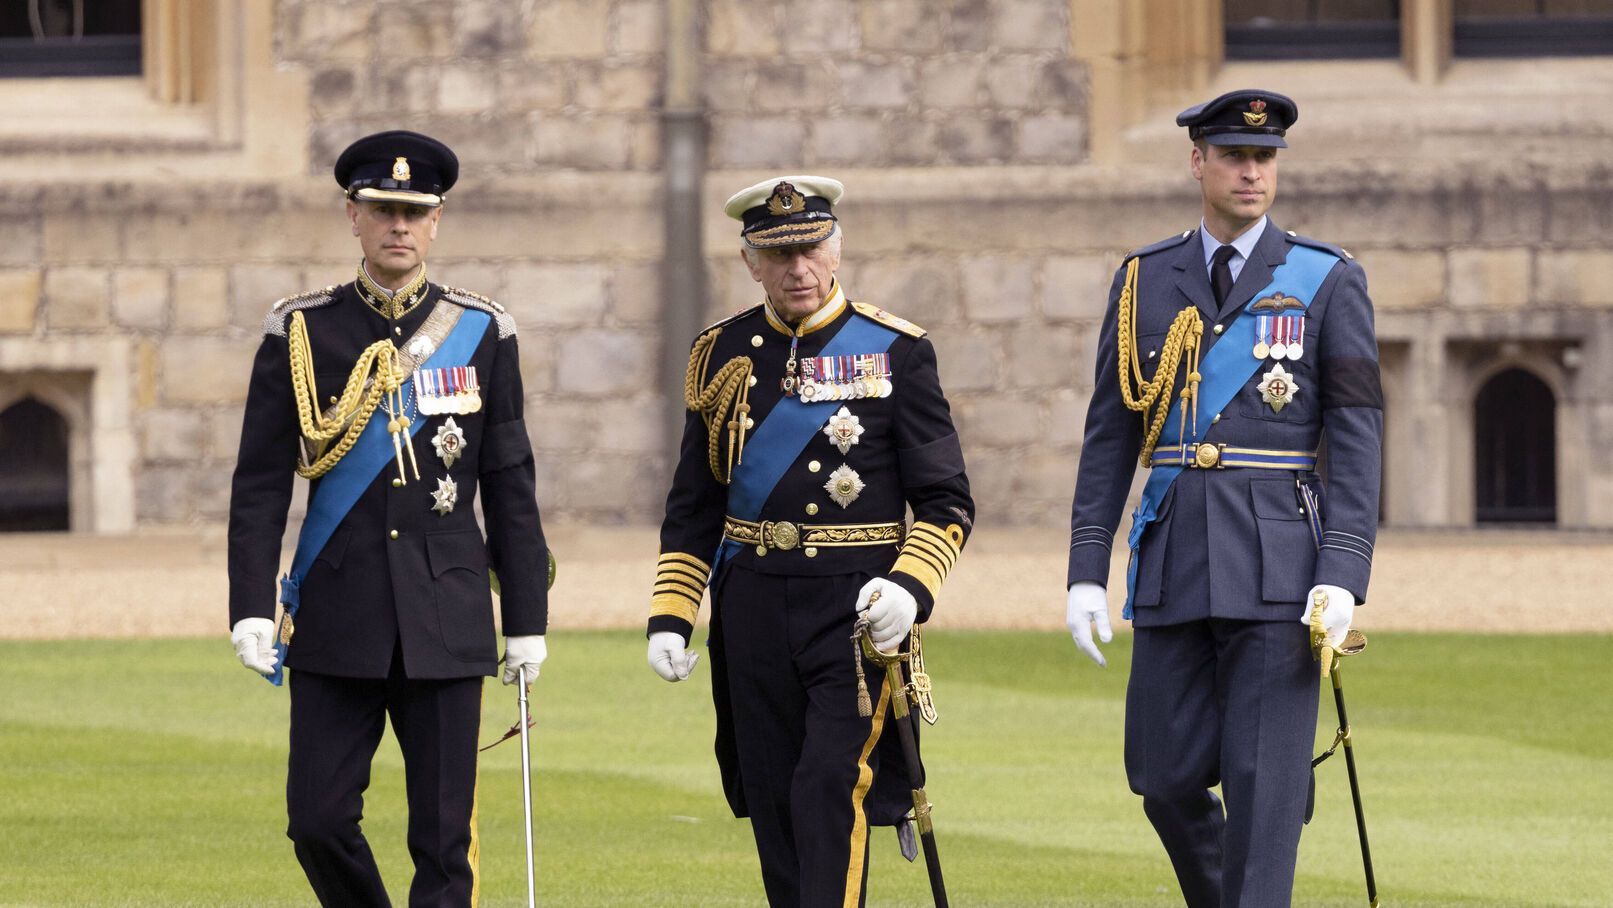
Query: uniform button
x=333 y=398
x=1150 y=354
x=393 y=534
x=814 y=466
x=761 y=550
x=1220 y=328
x=812 y=551
x=750 y=423
x=755 y=340
x=811 y=509
x=396 y=482
x=1216 y=419
x=751 y=381
x=398 y=331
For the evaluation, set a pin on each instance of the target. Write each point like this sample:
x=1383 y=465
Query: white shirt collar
x=1245 y=243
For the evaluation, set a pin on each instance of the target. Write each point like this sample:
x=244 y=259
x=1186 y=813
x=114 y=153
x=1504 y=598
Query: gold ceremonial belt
x=784 y=535
x=1209 y=456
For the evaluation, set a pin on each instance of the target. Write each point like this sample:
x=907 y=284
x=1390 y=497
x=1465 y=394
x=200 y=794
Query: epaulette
x=890 y=321
x=473 y=300
x=1339 y=251
x=725 y=321
x=1169 y=243
x=275 y=322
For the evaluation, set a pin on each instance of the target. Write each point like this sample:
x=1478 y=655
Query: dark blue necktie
x=1221 y=274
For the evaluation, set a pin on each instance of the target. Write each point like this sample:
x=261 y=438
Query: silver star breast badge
x=447 y=495
x=1278 y=388
x=844 y=485
x=844 y=430
x=449 y=442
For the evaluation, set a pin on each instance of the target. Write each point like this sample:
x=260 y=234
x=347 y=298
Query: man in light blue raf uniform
x=1232 y=358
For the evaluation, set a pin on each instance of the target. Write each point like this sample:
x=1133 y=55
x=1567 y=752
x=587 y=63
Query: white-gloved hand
x=529 y=651
x=890 y=614
x=254 y=644
x=1336 y=616
x=1087 y=605
x=669 y=658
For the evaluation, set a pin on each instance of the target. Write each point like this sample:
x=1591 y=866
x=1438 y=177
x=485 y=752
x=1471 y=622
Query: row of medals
x=447 y=391
x=1286 y=334
x=872 y=379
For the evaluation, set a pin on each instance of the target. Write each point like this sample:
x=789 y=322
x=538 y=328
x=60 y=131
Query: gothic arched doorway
x=33 y=484
x=1515 y=450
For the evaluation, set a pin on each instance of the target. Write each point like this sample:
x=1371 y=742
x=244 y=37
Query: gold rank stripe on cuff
x=680 y=582
x=929 y=554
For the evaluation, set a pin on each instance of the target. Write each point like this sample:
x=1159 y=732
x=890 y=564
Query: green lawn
x=152 y=773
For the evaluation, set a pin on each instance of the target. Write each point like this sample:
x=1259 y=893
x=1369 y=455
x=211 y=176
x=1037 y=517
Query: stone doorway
x=34 y=484
x=1515 y=449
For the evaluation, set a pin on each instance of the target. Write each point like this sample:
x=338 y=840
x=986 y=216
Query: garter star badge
x=844 y=430
x=449 y=442
x=1277 y=388
x=447 y=495
x=844 y=485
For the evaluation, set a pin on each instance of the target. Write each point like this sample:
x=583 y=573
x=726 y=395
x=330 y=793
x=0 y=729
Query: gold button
x=396 y=482
x=814 y=466
x=1220 y=328
x=761 y=550
x=1216 y=419
x=398 y=331
x=750 y=423
x=393 y=534
x=812 y=551
x=333 y=398
x=811 y=509
x=751 y=381
x=756 y=340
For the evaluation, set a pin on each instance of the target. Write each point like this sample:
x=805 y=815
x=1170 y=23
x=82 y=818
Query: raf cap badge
x=844 y=485
x=449 y=442
x=1277 y=388
x=446 y=496
x=844 y=430
x=1256 y=116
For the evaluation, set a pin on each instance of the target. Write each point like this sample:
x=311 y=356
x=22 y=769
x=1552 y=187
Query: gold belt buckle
x=783 y=535
x=1207 y=455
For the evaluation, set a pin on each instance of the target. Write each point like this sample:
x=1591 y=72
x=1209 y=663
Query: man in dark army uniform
x=1249 y=353
x=814 y=423
x=396 y=398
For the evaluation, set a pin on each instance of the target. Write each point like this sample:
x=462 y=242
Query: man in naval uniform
x=814 y=423
x=1232 y=357
x=397 y=398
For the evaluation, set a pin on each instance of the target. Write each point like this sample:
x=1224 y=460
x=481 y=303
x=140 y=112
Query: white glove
x=528 y=651
x=668 y=657
x=1087 y=605
x=1336 y=615
x=254 y=644
x=890 y=614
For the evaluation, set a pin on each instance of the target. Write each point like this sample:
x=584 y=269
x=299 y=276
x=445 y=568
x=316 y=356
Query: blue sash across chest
x=787 y=429
x=341 y=488
x=1224 y=370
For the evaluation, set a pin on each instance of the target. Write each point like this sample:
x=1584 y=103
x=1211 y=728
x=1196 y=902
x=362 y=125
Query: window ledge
x=67 y=115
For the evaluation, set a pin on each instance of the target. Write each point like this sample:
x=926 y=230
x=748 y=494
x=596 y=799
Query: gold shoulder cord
x=723 y=402
x=1185 y=335
x=356 y=405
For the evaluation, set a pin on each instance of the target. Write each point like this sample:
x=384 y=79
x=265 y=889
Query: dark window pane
x=1311 y=29
x=64 y=38
x=33 y=487
x=1515 y=450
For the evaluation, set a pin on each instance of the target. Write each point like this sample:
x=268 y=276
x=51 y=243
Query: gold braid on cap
x=724 y=402
x=1185 y=336
x=352 y=412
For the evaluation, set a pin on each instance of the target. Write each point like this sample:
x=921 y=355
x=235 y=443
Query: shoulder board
x=470 y=299
x=729 y=320
x=1339 y=251
x=1162 y=245
x=895 y=322
x=275 y=322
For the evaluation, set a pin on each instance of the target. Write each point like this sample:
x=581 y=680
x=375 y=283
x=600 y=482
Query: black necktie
x=1221 y=274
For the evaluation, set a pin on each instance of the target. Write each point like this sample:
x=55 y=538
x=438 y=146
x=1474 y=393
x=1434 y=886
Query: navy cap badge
x=785 y=200
x=1257 y=113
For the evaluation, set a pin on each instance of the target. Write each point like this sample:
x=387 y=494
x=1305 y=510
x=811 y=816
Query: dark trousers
x=807 y=759
x=1229 y=702
x=336 y=724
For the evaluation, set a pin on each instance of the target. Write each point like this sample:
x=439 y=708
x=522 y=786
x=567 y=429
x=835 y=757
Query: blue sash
x=1224 y=370
x=340 y=489
x=785 y=432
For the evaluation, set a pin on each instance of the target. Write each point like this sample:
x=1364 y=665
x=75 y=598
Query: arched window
x=33 y=483
x=1515 y=449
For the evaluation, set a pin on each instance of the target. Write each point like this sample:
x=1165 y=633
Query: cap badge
x=785 y=200
x=1257 y=113
x=400 y=170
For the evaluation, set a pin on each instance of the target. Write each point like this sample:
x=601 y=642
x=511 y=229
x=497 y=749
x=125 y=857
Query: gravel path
x=173 y=584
